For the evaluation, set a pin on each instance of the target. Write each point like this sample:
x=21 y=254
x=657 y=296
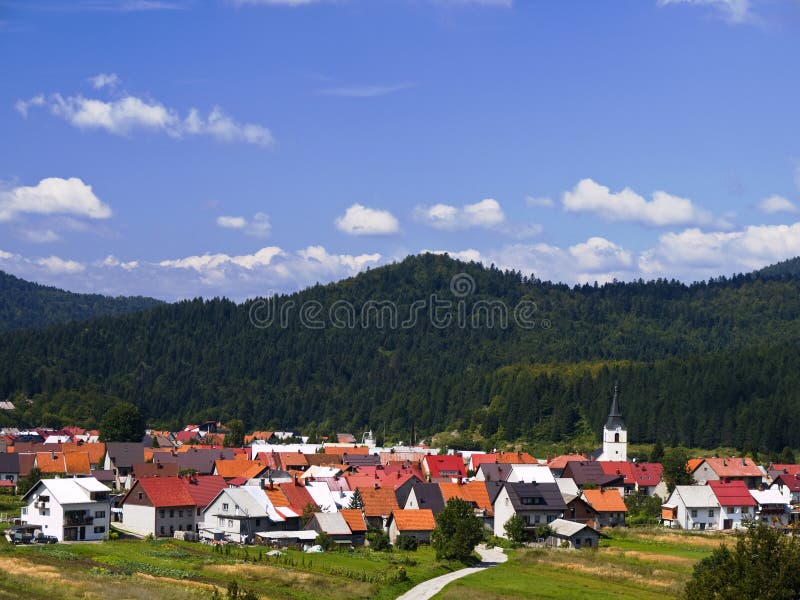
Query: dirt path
x=428 y=589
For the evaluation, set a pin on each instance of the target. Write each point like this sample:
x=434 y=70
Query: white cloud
x=102 y=80
x=123 y=115
x=53 y=195
x=361 y=220
x=54 y=264
x=22 y=106
x=113 y=261
x=486 y=213
x=39 y=236
x=662 y=211
x=539 y=202
x=735 y=11
x=775 y=204
x=366 y=91
x=597 y=254
x=259 y=226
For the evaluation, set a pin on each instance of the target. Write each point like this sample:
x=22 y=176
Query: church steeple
x=615 y=416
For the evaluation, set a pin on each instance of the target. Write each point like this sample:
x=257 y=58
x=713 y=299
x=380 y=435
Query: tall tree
x=457 y=531
x=234 y=438
x=122 y=423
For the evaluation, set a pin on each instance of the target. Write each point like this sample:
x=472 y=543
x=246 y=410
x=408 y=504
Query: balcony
x=76 y=520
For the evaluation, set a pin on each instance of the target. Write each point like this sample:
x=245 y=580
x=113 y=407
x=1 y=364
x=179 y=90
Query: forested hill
x=25 y=304
x=703 y=364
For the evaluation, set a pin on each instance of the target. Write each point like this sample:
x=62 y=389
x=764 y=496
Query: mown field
x=640 y=564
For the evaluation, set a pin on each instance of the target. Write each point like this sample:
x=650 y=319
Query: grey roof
x=9 y=462
x=429 y=495
x=125 y=454
x=548 y=492
x=564 y=528
x=494 y=471
x=200 y=459
x=361 y=460
x=695 y=496
x=331 y=523
x=493 y=488
x=615 y=415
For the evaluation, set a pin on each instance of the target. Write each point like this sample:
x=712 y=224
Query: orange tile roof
x=355 y=520
x=348 y=450
x=605 y=500
x=77 y=463
x=734 y=467
x=503 y=458
x=414 y=520
x=474 y=491
x=96 y=451
x=291 y=459
x=693 y=463
x=560 y=462
x=238 y=468
x=378 y=502
x=276 y=496
x=70 y=463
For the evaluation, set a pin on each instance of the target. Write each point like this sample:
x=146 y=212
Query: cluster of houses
x=189 y=485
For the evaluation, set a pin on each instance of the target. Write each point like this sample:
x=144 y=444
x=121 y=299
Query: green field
x=631 y=564
x=174 y=569
x=642 y=563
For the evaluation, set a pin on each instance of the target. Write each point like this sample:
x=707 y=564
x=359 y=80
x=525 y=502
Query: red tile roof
x=447 y=466
x=297 y=495
x=163 y=491
x=791 y=481
x=733 y=467
x=641 y=474
x=204 y=488
x=734 y=493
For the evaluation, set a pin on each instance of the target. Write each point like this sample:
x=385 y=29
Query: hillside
x=703 y=364
x=25 y=304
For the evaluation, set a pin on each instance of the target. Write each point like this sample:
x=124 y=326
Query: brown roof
x=355 y=520
x=378 y=502
x=414 y=520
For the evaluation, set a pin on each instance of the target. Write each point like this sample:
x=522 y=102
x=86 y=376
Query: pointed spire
x=615 y=415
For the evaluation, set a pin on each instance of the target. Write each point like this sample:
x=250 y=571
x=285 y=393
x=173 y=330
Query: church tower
x=615 y=436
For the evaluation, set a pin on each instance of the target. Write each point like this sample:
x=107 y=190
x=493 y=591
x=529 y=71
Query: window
x=141 y=496
x=180 y=527
x=550 y=518
x=99 y=514
x=258 y=522
x=616 y=437
x=221 y=522
x=224 y=506
x=694 y=513
x=745 y=510
x=180 y=514
x=24 y=510
x=162 y=530
x=711 y=513
x=533 y=501
x=198 y=512
x=171 y=513
x=161 y=513
x=171 y=530
x=537 y=518
x=99 y=529
x=230 y=522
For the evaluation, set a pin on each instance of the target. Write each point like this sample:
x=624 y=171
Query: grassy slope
x=642 y=565
x=172 y=569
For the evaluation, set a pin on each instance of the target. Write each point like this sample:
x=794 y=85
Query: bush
x=515 y=529
x=324 y=540
x=406 y=542
x=457 y=531
x=378 y=540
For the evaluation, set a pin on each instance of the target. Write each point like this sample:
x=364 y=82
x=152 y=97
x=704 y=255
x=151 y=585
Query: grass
x=174 y=569
x=641 y=564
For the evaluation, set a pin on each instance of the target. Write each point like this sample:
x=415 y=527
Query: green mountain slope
x=706 y=364
x=25 y=304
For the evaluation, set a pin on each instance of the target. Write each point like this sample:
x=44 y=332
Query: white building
x=69 y=509
x=615 y=435
x=237 y=514
x=691 y=507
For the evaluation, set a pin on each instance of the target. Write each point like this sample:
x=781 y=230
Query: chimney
x=295 y=480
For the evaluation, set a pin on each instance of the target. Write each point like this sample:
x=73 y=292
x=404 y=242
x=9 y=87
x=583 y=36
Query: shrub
x=406 y=542
x=378 y=540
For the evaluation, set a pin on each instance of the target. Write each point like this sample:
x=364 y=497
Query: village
x=188 y=485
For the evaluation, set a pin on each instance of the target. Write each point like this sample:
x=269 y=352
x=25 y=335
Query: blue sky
x=235 y=148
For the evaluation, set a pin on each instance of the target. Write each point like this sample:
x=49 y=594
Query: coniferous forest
x=707 y=364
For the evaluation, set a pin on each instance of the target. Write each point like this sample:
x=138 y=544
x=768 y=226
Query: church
x=615 y=436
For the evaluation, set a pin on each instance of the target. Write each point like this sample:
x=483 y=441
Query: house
x=691 y=507
x=444 y=467
x=158 y=506
x=641 y=477
x=120 y=458
x=536 y=503
x=591 y=472
x=334 y=525
x=9 y=467
x=424 y=495
x=418 y=524
x=580 y=511
x=610 y=507
x=473 y=492
x=728 y=469
x=737 y=505
x=772 y=507
x=357 y=524
x=238 y=514
x=68 y=509
x=789 y=485
x=569 y=534
x=379 y=503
